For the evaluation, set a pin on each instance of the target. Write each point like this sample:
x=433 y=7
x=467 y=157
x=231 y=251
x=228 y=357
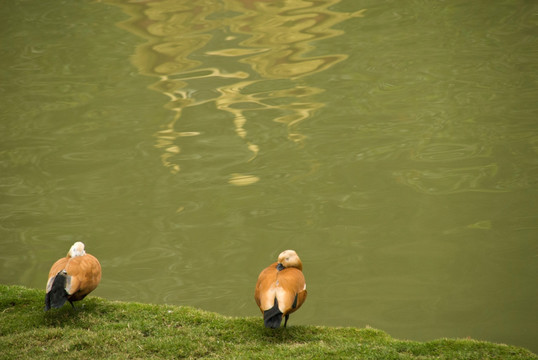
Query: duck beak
x=280 y=267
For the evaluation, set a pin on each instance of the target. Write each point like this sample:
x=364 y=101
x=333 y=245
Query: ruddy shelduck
x=281 y=289
x=72 y=278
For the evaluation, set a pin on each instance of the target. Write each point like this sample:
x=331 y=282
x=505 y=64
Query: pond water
x=392 y=144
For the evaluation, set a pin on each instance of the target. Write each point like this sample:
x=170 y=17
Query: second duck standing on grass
x=281 y=289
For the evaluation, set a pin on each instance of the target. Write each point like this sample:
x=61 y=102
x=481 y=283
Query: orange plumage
x=72 y=278
x=281 y=289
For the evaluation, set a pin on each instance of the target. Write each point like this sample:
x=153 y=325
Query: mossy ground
x=105 y=329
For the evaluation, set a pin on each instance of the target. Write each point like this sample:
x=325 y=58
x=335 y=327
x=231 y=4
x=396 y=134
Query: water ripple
x=450 y=151
x=451 y=180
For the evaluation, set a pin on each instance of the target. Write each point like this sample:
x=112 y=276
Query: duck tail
x=272 y=317
x=57 y=296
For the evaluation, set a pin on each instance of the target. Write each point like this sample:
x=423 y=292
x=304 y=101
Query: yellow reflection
x=483 y=225
x=242 y=180
x=236 y=45
x=295 y=111
x=285 y=31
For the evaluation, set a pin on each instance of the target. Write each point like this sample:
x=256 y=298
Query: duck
x=73 y=277
x=281 y=289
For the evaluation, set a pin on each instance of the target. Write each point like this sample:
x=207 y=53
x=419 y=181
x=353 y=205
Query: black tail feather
x=272 y=317
x=57 y=296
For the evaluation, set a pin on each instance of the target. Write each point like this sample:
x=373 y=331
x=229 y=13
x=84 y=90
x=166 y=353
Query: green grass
x=105 y=329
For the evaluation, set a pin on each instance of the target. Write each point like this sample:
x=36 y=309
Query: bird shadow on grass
x=67 y=316
x=289 y=334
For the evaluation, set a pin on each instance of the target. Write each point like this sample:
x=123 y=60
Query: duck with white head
x=281 y=289
x=73 y=277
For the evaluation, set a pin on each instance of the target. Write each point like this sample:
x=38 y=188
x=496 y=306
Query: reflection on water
x=245 y=57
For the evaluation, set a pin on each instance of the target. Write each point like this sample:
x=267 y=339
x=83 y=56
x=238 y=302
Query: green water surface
x=392 y=144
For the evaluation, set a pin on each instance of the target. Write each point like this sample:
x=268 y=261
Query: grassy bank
x=119 y=330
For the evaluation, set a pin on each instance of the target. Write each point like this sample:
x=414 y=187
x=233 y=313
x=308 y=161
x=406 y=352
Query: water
x=391 y=144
